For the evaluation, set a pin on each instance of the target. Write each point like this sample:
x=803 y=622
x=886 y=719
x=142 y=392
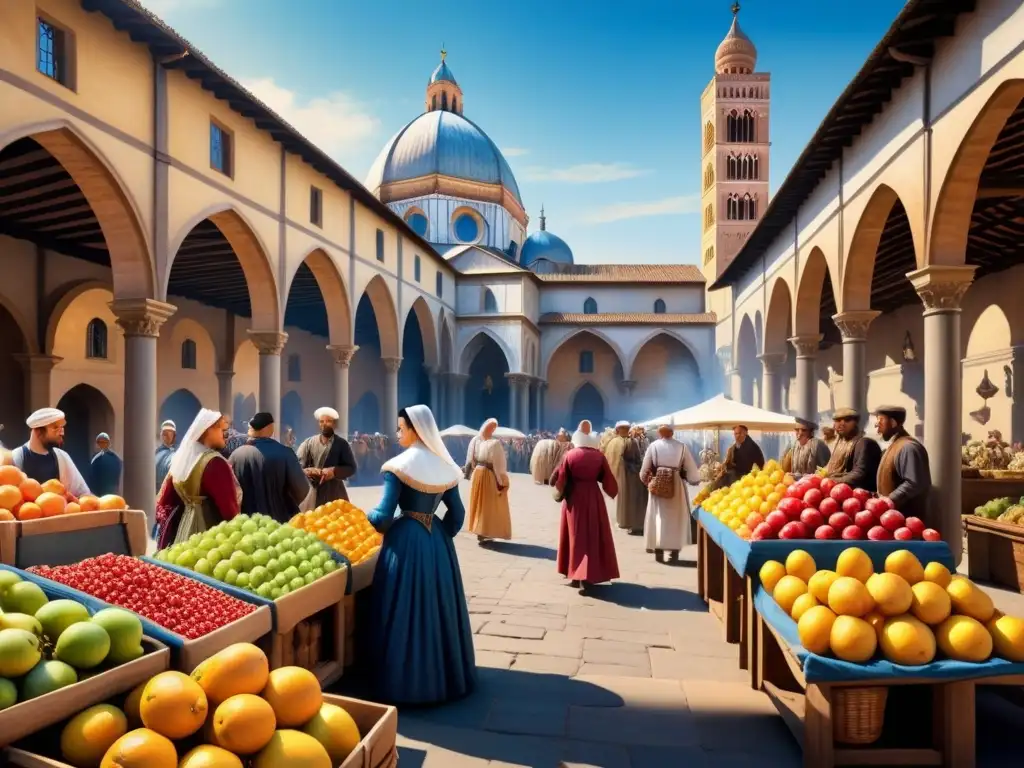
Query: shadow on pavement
x=629 y=595
x=518 y=549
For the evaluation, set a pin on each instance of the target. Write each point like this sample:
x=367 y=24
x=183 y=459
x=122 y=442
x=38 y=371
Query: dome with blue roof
x=443 y=74
x=544 y=246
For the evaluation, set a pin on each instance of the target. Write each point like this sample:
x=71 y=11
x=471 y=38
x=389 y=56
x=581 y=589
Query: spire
x=543 y=219
x=736 y=54
x=735 y=12
x=444 y=53
x=443 y=91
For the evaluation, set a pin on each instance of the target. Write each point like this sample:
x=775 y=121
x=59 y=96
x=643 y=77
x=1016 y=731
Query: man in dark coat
x=327 y=459
x=903 y=473
x=855 y=458
x=105 y=468
x=741 y=457
x=269 y=473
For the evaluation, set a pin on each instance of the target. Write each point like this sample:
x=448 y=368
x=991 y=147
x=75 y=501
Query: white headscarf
x=483 y=427
x=191 y=449
x=584 y=436
x=426 y=466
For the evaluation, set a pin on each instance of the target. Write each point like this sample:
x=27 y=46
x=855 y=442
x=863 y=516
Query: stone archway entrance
x=588 y=403
x=88 y=412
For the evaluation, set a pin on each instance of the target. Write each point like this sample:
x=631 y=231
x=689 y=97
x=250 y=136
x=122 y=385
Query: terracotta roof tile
x=624 y=273
x=627 y=318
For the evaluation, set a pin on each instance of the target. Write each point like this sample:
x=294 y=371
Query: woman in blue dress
x=421 y=638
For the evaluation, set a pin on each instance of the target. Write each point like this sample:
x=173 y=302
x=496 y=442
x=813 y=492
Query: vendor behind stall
x=808 y=452
x=741 y=457
x=855 y=458
x=42 y=458
x=903 y=474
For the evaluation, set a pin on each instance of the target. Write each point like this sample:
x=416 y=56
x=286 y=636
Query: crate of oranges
x=41 y=523
x=344 y=527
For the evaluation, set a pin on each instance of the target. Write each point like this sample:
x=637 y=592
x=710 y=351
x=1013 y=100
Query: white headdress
x=327 y=411
x=426 y=466
x=620 y=424
x=584 y=436
x=44 y=417
x=169 y=425
x=185 y=458
x=483 y=427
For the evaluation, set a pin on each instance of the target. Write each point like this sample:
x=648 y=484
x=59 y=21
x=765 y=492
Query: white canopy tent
x=722 y=413
x=507 y=433
x=458 y=430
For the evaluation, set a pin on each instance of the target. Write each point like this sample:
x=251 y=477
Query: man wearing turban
x=42 y=458
x=327 y=459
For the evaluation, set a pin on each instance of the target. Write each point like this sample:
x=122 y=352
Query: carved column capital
x=806 y=346
x=342 y=354
x=942 y=288
x=772 y=360
x=222 y=375
x=853 y=325
x=626 y=386
x=269 y=342
x=141 y=317
x=392 y=364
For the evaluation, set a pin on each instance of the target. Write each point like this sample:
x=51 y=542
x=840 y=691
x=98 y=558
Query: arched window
x=444 y=100
x=747 y=126
x=709 y=136
x=659 y=306
x=709 y=216
x=586 y=361
x=417 y=222
x=188 y=355
x=294 y=368
x=709 y=253
x=96 y=340
x=433 y=102
x=732 y=208
x=755 y=169
x=490 y=302
x=748 y=208
x=590 y=307
x=455 y=104
x=731 y=172
x=439 y=285
x=416 y=268
x=731 y=129
x=709 y=176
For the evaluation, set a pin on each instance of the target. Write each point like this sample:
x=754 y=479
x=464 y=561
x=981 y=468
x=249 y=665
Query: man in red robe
x=586 y=550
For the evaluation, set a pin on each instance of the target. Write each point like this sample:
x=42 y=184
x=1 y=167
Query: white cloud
x=585 y=173
x=669 y=206
x=514 y=151
x=335 y=122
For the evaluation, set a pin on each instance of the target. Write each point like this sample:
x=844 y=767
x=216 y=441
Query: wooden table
x=726 y=592
x=996 y=552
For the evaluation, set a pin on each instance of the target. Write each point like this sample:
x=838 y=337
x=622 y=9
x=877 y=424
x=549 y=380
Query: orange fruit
x=295 y=695
x=112 y=502
x=29 y=511
x=89 y=503
x=10 y=496
x=51 y=504
x=243 y=724
x=239 y=668
x=30 y=489
x=173 y=705
x=72 y=508
x=141 y=748
x=54 y=486
x=6 y=515
x=11 y=475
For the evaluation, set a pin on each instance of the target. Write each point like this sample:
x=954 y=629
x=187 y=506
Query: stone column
x=270 y=345
x=771 y=387
x=806 y=375
x=440 y=405
x=435 y=393
x=941 y=290
x=541 y=387
x=342 y=360
x=37 y=370
x=225 y=391
x=140 y=319
x=513 y=400
x=389 y=412
x=524 y=405
x=853 y=326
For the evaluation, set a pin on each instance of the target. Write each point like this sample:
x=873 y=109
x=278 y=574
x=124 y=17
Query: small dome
x=443 y=74
x=736 y=53
x=544 y=246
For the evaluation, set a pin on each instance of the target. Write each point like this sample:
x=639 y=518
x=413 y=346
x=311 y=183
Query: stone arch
x=667 y=376
x=63 y=298
x=811 y=285
x=746 y=362
x=638 y=348
x=89 y=412
x=588 y=402
x=620 y=356
x=182 y=328
x=253 y=257
x=131 y=263
x=447 y=346
x=379 y=295
x=859 y=265
x=473 y=347
x=428 y=330
x=990 y=332
x=486 y=361
x=181 y=406
x=779 y=319
x=955 y=204
x=334 y=292
x=14 y=396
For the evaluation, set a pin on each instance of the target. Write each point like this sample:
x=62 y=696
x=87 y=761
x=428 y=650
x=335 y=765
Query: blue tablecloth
x=747 y=557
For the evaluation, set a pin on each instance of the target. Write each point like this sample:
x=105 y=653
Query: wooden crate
x=996 y=552
x=724 y=590
x=67 y=539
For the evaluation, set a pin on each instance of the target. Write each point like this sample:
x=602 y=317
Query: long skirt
x=489 y=515
x=586 y=549
x=421 y=638
x=667 y=524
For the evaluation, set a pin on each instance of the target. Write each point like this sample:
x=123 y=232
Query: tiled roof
x=623 y=273
x=627 y=318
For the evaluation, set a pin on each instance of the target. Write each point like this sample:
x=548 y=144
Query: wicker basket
x=858 y=714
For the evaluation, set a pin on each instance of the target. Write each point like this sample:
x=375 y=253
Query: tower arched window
x=294 y=368
x=188 y=355
x=709 y=254
x=709 y=136
x=455 y=104
x=490 y=302
x=732 y=167
x=590 y=307
x=732 y=208
x=748 y=208
x=586 y=361
x=433 y=102
x=444 y=99
x=731 y=122
x=96 y=340
x=747 y=126
x=709 y=216
x=659 y=306
x=709 y=176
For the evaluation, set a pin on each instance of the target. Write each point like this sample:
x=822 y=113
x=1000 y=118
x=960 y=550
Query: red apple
x=887 y=501
x=841 y=492
x=864 y=519
x=762 y=532
x=851 y=506
x=825 y=532
x=879 y=533
x=861 y=495
x=915 y=524
x=903 y=534
x=840 y=521
x=776 y=520
x=853 y=532
x=812 y=480
x=793 y=530
x=876 y=507
x=892 y=520
x=930 y=534
x=827 y=484
x=813 y=497
x=828 y=507
x=812 y=519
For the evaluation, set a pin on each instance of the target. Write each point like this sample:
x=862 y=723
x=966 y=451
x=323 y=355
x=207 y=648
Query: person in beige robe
x=546 y=457
x=667 y=525
x=489 y=516
x=625 y=459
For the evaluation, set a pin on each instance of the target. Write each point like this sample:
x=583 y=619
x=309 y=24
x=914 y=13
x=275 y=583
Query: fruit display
x=993 y=453
x=182 y=605
x=257 y=554
x=232 y=711
x=769 y=504
x=46 y=644
x=343 y=526
x=908 y=614
x=1005 y=510
x=22 y=498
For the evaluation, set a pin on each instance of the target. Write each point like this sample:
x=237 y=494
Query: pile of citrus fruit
x=231 y=709
x=343 y=526
x=747 y=503
x=912 y=613
x=22 y=498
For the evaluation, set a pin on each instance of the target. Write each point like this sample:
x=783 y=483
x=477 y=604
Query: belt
x=423 y=518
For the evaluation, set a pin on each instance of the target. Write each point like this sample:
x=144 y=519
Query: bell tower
x=442 y=91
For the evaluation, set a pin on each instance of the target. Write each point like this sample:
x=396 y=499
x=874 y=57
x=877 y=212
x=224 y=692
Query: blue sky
x=596 y=104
